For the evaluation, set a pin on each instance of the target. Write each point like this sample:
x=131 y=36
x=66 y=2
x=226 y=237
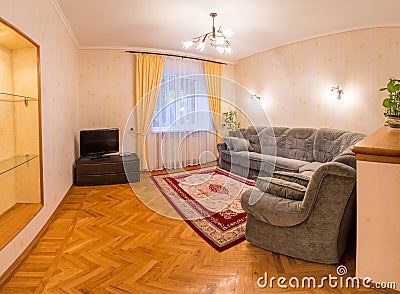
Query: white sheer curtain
x=182 y=131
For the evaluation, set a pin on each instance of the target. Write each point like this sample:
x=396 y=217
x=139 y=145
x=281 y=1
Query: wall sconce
x=338 y=91
x=255 y=96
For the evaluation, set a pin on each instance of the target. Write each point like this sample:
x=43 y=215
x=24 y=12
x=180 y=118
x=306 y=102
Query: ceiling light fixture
x=218 y=39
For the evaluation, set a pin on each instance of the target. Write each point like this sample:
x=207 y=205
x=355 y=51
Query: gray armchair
x=316 y=228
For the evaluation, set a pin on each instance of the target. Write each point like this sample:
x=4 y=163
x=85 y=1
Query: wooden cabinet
x=378 y=204
x=109 y=170
x=20 y=144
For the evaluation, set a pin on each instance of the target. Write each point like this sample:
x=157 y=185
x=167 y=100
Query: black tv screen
x=99 y=142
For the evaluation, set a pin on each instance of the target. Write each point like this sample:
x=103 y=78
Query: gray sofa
x=318 y=164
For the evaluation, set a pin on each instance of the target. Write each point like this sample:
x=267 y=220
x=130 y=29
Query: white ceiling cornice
x=66 y=23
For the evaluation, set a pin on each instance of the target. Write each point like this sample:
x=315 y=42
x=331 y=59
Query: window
x=182 y=103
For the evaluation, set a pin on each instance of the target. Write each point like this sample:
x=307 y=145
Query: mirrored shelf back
x=21 y=176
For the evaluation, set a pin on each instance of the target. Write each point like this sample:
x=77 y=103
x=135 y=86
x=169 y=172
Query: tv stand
x=107 y=170
x=95 y=157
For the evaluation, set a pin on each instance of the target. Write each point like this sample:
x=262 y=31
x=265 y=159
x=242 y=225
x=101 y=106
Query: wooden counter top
x=382 y=146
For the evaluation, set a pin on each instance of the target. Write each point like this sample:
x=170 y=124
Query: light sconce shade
x=255 y=96
x=338 y=91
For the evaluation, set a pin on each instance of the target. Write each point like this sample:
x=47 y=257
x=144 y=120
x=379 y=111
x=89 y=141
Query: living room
x=89 y=85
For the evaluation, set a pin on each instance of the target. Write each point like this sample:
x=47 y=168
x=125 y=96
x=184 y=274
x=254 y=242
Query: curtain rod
x=175 y=55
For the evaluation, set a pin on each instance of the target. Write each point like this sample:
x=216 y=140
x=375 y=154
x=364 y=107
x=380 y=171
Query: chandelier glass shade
x=216 y=38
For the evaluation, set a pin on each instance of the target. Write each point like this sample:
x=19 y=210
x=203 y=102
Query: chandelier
x=217 y=38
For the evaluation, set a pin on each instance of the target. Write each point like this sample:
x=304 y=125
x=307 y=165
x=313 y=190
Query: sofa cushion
x=229 y=142
x=251 y=134
x=270 y=209
x=280 y=163
x=310 y=168
x=281 y=188
x=241 y=145
x=297 y=143
x=262 y=162
x=238 y=144
x=292 y=177
x=252 y=160
x=288 y=164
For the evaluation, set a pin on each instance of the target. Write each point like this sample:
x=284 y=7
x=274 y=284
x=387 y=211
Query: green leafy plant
x=392 y=101
x=229 y=121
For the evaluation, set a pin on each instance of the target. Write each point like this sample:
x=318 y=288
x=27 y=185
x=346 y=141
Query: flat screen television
x=98 y=142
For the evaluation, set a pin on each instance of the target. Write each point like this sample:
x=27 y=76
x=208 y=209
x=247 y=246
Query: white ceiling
x=259 y=25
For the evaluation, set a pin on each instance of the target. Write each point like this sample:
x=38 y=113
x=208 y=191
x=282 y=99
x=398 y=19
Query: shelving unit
x=9 y=97
x=14 y=162
x=20 y=145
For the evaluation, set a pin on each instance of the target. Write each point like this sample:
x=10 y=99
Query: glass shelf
x=13 y=162
x=9 y=97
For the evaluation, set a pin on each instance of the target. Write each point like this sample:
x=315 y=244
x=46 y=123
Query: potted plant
x=392 y=102
x=230 y=123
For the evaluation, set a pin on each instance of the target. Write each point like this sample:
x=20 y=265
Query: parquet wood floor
x=105 y=240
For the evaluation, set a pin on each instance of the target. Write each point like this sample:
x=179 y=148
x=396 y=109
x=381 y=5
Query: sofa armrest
x=331 y=185
x=222 y=146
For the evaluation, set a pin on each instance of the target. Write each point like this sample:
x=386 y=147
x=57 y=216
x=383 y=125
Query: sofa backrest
x=308 y=144
x=264 y=140
x=329 y=143
x=297 y=143
x=270 y=140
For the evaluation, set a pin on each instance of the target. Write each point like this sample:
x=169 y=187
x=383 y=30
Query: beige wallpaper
x=106 y=80
x=228 y=87
x=59 y=94
x=294 y=81
x=106 y=89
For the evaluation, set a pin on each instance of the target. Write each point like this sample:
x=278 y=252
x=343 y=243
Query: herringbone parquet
x=105 y=240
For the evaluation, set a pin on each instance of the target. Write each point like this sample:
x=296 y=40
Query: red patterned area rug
x=208 y=199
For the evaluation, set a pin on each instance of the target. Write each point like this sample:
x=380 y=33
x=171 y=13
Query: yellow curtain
x=213 y=73
x=149 y=70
